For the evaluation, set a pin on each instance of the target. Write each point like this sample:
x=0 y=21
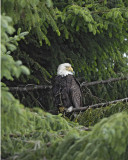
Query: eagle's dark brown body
x=66 y=92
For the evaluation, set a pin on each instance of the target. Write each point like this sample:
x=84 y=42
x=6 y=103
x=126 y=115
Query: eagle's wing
x=66 y=92
x=56 y=87
x=60 y=92
x=75 y=93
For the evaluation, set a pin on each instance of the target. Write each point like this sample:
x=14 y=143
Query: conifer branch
x=43 y=87
x=99 y=105
x=30 y=88
x=103 y=81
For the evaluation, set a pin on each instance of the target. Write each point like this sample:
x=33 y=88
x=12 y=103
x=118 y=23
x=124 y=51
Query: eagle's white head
x=65 y=69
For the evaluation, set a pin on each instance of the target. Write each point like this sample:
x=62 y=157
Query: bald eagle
x=66 y=89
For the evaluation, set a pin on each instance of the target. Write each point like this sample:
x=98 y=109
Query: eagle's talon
x=61 y=109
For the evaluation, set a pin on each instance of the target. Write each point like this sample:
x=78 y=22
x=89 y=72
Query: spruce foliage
x=91 y=35
x=34 y=134
x=106 y=141
x=93 y=116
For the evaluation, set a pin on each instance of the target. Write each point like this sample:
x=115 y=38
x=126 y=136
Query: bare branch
x=99 y=105
x=103 y=81
x=30 y=87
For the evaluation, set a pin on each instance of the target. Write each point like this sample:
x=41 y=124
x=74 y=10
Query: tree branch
x=98 y=105
x=30 y=87
x=103 y=81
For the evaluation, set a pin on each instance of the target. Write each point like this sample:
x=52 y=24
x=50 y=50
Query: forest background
x=41 y=34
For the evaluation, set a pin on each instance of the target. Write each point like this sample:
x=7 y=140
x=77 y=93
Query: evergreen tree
x=92 y=36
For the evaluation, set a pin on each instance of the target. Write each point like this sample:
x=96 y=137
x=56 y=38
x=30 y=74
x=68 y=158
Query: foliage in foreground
x=92 y=116
x=23 y=129
x=35 y=134
x=107 y=140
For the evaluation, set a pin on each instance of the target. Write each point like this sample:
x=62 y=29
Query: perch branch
x=99 y=105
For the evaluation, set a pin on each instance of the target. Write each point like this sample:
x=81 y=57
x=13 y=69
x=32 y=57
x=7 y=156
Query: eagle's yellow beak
x=70 y=69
